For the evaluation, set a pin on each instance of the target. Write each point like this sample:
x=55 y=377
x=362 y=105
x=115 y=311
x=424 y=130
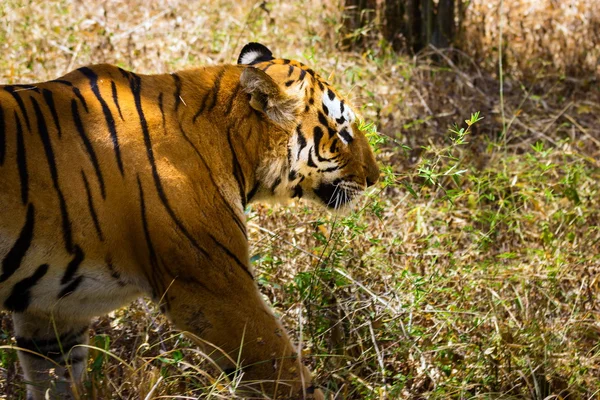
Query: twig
x=74 y=56
x=363 y=287
x=582 y=129
x=464 y=76
x=275 y=235
x=379 y=357
x=151 y=392
x=557 y=116
x=120 y=36
x=537 y=133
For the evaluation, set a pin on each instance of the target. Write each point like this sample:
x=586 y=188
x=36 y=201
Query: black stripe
x=276 y=183
x=311 y=162
x=71 y=287
x=76 y=91
x=301 y=141
x=110 y=121
x=216 y=87
x=202 y=106
x=340 y=120
x=330 y=94
x=135 y=83
x=13 y=259
x=162 y=112
x=238 y=174
x=91 y=207
x=325 y=109
x=323 y=120
x=342 y=106
x=114 y=273
x=317 y=136
x=346 y=135
x=289 y=83
x=237 y=220
x=335 y=168
x=2 y=135
x=50 y=103
x=253 y=191
x=43 y=132
x=229 y=106
x=177 y=90
x=302 y=75
x=22 y=161
x=73 y=265
x=124 y=73
x=19 y=299
x=333 y=147
x=297 y=192
x=232 y=256
x=88 y=146
x=290 y=70
x=115 y=97
x=19 y=100
x=156 y=285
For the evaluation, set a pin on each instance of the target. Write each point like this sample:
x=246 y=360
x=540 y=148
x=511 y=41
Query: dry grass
x=482 y=284
x=539 y=37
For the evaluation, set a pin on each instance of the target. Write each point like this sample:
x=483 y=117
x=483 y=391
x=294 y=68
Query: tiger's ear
x=253 y=53
x=267 y=97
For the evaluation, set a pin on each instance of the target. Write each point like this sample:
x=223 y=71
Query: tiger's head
x=324 y=156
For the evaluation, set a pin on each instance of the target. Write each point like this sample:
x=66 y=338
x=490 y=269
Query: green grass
x=470 y=271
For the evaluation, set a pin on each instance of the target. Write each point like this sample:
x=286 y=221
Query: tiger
x=116 y=185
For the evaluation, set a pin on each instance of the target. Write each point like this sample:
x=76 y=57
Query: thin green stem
x=501 y=75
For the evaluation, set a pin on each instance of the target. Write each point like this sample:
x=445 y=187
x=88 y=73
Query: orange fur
x=159 y=211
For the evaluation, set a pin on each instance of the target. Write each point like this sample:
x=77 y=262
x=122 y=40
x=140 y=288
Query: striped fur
x=115 y=185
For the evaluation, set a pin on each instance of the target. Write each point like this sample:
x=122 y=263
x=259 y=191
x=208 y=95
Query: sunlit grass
x=470 y=271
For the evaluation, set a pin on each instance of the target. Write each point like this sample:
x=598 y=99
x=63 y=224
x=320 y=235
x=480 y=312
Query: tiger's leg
x=54 y=339
x=236 y=319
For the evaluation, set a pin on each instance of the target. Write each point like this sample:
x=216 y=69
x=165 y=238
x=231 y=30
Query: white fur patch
x=341 y=113
x=250 y=56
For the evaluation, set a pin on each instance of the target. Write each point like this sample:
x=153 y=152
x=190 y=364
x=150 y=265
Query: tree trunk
x=405 y=24
x=393 y=27
x=357 y=18
x=427 y=27
x=445 y=26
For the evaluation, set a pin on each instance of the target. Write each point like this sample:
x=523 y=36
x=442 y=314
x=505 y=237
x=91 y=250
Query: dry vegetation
x=473 y=271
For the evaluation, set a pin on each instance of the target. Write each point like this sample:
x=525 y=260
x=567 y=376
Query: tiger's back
x=78 y=179
x=114 y=185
